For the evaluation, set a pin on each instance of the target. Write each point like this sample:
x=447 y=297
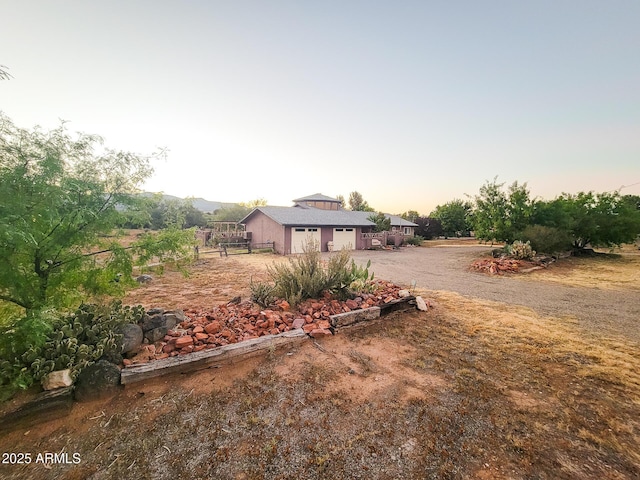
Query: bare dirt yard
x=531 y=376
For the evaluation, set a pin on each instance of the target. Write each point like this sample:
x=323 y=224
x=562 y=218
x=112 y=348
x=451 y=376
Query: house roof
x=316 y=197
x=311 y=217
x=396 y=221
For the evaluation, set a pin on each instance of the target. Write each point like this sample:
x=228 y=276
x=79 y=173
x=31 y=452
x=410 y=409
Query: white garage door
x=300 y=237
x=344 y=238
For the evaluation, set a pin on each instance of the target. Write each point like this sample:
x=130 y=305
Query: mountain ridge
x=202 y=204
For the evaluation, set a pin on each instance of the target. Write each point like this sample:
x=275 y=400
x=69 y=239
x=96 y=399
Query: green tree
x=500 y=215
x=428 y=227
x=411 y=215
x=383 y=223
x=230 y=213
x=600 y=220
x=453 y=217
x=358 y=204
x=60 y=199
x=174 y=213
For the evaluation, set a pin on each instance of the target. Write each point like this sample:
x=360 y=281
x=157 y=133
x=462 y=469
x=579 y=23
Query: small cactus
x=521 y=251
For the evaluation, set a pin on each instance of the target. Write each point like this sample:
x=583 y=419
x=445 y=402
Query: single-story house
x=316 y=217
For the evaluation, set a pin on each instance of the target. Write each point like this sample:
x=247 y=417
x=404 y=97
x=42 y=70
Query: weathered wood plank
x=406 y=303
x=212 y=357
x=46 y=406
x=349 y=318
x=367 y=314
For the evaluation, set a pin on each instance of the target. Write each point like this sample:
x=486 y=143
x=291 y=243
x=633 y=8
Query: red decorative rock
x=319 y=332
x=324 y=324
x=184 y=341
x=213 y=327
x=352 y=304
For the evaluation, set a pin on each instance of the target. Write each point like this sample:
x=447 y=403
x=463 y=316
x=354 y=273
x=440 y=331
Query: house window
x=407 y=230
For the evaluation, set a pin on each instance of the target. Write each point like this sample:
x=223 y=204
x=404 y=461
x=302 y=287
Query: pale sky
x=411 y=103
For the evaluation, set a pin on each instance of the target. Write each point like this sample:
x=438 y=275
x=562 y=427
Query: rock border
x=237 y=352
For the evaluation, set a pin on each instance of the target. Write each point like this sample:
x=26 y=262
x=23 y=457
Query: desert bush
x=307 y=276
x=547 y=239
x=262 y=293
x=302 y=277
x=521 y=250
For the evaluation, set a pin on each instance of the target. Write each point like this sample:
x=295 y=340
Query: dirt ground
x=480 y=387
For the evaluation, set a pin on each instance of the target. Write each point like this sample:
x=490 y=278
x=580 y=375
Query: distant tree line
x=497 y=213
x=569 y=221
x=507 y=213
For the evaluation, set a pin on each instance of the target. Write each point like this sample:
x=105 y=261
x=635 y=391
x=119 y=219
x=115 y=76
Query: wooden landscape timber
x=211 y=358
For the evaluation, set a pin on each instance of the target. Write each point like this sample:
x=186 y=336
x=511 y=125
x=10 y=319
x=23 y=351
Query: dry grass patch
x=455 y=242
x=605 y=271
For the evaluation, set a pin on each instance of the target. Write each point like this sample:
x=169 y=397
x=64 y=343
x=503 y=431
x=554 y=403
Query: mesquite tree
x=61 y=196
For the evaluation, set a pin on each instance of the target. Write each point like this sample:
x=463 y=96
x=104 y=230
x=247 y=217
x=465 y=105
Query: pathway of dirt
x=613 y=312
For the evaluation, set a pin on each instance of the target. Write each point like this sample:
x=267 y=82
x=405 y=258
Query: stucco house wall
x=263 y=229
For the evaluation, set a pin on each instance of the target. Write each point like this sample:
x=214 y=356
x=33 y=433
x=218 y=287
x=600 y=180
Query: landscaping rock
x=182 y=342
x=57 y=379
x=149 y=322
x=177 y=315
x=97 y=381
x=132 y=336
x=213 y=327
x=421 y=304
x=144 y=278
x=319 y=332
x=156 y=334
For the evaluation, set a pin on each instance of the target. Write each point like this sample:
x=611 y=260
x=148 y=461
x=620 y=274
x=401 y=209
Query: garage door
x=301 y=236
x=344 y=238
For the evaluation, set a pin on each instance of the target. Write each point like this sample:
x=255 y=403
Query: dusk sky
x=411 y=103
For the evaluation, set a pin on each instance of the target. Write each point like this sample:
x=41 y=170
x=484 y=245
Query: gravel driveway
x=614 y=312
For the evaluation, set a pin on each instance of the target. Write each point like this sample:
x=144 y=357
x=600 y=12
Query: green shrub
x=415 y=240
x=302 y=277
x=547 y=239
